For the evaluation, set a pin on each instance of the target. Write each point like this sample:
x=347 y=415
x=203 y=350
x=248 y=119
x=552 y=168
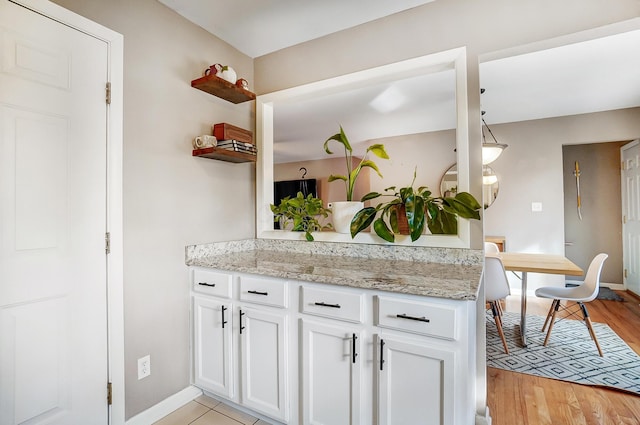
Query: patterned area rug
x=571 y=355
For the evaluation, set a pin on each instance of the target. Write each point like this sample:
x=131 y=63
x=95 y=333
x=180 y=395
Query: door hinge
x=108 y=94
x=107 y=243
x=622 y=165
x=109 y=394
x=624 y=219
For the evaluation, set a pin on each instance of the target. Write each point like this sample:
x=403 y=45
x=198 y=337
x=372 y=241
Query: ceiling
x=581 y=77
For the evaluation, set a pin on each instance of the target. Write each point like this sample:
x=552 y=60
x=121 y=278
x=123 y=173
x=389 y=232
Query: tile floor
x=207 y=411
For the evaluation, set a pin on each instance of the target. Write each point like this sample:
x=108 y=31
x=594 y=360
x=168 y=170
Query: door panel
x=53 y=285
x=631 y=215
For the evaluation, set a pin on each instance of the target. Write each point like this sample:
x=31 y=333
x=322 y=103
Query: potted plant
x=302 y=212
x=415 y=207
x=343 y=211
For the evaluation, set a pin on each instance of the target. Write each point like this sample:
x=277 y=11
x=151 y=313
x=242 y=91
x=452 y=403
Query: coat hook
x=305 y=171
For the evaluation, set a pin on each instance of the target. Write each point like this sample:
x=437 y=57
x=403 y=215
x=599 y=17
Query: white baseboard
x=166 y=406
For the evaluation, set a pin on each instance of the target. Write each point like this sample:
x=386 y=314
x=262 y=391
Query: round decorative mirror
x=490 y=184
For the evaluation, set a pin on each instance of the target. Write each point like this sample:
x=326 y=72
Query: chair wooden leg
x=587 y=321
x=498 y=321
x=553 y=319
x=549 y=314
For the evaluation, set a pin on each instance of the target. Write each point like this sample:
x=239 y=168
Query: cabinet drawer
x=417 y=317
x=263 y=291
x=335 y=304
x=212 y=283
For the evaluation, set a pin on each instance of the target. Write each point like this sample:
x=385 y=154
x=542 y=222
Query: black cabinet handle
x=207 y=284
x=353 y=348
x=323 y=304
x=223 y=321
x=382 y=354
x=241 y=327
x=419 y=319
x=258 y=292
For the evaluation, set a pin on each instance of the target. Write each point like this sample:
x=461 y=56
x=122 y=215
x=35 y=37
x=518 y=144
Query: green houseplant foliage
x=440 y=214
x=352 y=173
x=302 y=212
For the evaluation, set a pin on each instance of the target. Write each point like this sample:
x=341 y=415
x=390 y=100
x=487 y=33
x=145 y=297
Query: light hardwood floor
x=515 y=398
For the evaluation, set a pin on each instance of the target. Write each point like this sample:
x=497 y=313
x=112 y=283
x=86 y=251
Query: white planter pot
x=342 y=213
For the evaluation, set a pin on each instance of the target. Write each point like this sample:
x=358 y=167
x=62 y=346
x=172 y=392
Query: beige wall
x=600 y=229
x=170 y=198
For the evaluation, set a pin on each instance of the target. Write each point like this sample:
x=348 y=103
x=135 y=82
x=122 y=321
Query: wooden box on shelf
x=224 y=155
x=224 y=131
x=223 y=89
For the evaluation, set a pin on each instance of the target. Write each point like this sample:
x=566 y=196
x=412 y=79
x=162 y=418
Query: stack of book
x=237 y=146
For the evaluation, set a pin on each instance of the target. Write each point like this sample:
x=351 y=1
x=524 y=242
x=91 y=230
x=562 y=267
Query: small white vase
x=342 y=213
x=229 y=74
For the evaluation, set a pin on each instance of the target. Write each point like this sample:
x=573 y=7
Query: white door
x=331 y=370
x=264 y=362
x=53 y=306
x=213 y=350
x=630 y=154
x=415 y=384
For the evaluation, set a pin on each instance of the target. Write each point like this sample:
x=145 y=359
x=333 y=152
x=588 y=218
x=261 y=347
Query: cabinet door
x=263 y=345
x=331 y=371
x=415 y=383
x=212 y=346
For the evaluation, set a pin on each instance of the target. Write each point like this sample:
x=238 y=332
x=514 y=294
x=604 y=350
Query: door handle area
x=241 y=327
x=354 y=354
x=381 y=354
x=223 y=321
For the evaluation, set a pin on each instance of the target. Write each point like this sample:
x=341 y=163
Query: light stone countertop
x=366 y=268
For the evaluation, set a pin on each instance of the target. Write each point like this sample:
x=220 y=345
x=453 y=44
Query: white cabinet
x=415 y=383
x=315 y=354
x=331 y=373
x=240 y=340
x=263 y=347
x=213 y=359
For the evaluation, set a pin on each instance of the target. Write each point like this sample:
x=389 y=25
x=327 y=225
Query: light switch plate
x=536 y=206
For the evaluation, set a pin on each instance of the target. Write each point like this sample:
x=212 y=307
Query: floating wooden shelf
x=224 y=155
x=223 y=89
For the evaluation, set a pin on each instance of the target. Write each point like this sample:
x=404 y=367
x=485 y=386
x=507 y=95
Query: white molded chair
x=580 y=294
x=496 y=287
x=491 y=248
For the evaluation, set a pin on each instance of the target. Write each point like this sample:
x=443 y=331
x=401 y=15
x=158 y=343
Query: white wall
x=530 y=170
x=170 y=198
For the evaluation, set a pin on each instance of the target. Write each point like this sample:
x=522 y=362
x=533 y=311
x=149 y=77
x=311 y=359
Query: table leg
x=523 y=310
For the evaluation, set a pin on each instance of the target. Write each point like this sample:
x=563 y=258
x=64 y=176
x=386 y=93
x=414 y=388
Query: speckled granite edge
x=415 y=271
x=387 y=252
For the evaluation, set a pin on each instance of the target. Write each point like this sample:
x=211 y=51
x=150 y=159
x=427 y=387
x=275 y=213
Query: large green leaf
x=370 y=195
x=443 y=223
x=340 y=138
x=381 y=229
x=362 y=220
x=365 y=163
x=414 y=206
x=378 y=150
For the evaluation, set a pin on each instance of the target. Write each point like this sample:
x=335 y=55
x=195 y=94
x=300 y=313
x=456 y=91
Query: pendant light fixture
x=490 y=150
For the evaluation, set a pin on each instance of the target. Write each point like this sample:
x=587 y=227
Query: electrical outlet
x=144 y=366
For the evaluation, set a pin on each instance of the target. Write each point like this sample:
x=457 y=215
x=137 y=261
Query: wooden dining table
x=534 y=263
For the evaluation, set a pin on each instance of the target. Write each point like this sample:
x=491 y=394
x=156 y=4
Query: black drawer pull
x=241 y=327
x=419 y=319
x=382 y=354
x=322 y=304
x=353 y=348
x=207 y=284
x=223 y=321
x=258 y=293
